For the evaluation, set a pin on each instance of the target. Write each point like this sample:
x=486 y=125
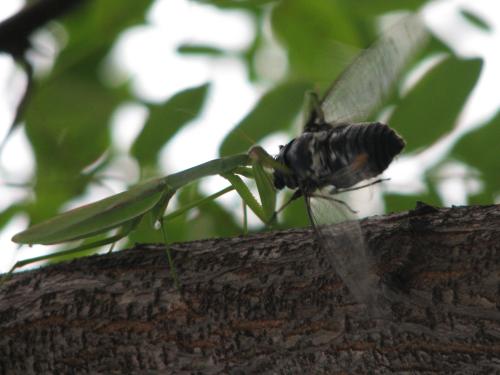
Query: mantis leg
x=296 y=195
x=338 y=191
x=125 y=231
x=245 y=218
x=169 y=256
x=197 y=203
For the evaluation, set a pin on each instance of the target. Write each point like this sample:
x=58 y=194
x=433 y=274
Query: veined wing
x=343 y=244
x=367 y=81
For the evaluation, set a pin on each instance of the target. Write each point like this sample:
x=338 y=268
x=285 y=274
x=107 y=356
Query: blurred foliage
x=479 y=149
x=280 y=105
x=451 y=75
x=164 y=121
x=68 y=117
x=477 y=21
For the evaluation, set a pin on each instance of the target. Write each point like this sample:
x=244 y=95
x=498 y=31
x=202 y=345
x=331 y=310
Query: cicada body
x=336 y=152
x=339 y=157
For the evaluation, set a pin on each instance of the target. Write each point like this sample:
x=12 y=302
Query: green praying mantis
x=124 y=211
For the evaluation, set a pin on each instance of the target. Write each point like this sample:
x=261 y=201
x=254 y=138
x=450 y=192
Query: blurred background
x=125 y=91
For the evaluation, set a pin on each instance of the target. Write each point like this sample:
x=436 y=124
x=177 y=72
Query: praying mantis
x=124 y=211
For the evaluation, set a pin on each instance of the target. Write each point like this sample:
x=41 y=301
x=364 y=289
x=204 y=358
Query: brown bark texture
x=267 y=304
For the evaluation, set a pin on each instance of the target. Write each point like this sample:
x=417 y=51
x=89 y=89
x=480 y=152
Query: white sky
x=137 y=56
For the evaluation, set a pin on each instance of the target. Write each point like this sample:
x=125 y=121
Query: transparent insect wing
x=342 y=242
x=368 y=80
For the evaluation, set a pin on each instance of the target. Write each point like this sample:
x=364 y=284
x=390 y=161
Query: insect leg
x=111 y=248
x=334 y=190
x=125 y=231
x=245 y=218
x=169 y=256
x=338 y=191
x=296 y=194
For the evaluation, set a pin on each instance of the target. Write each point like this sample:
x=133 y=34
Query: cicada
x=336 y=153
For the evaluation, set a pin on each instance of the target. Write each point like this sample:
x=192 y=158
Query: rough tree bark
x=267 y=303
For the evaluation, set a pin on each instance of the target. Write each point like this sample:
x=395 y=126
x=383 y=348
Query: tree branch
x=15 y=33
x=16 y=30
x=267 y=303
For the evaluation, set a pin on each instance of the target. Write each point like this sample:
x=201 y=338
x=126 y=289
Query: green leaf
x=275 y=111
x=200 y=49
x=68 y=115
x=431 y=108
x=104 y=19
x=238 y=4
x=479 y=149
x=371 y=8
x=165 y=121
x=475 y=19
x=67 y=125
x=7 y=214
x=315 y=34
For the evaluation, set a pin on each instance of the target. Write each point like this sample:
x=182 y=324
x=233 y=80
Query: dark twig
x=15 y=33
x=16 y=30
